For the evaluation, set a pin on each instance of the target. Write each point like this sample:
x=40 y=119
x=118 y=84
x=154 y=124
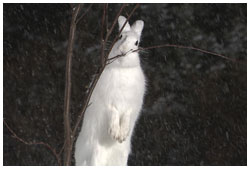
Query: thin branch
x=67 y=120
x=14 y=135
x=103 y=43
x=71 y=5
x=60 y=152
x=109 y=31
x=110 y=60
x=114 y=22
x=86 y=105
x=187 y=47
x=107 y=25
x=77 y=21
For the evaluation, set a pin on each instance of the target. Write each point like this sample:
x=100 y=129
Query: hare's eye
x=136 y=43
x=120 y=36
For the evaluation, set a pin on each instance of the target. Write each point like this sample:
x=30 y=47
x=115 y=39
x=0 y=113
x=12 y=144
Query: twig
x=85 y=105
x=114 y=22
x=71 y=5
x=103 y=43
x=103 y=57
x=107 y=25
x=110 y=60
x=186 y=47
x=67 y=126
x=77 y=21
x=60 y=152
x=14 y=135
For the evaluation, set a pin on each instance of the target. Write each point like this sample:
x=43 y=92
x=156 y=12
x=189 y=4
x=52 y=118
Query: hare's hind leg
x=99 y=156
x=118 y=156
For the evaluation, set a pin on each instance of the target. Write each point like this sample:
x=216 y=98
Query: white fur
x=105 y=137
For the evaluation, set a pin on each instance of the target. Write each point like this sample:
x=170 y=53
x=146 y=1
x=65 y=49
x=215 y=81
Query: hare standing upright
x=105 y=137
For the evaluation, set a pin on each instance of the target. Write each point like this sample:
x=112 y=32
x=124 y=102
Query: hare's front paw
x=119 y=129
x=124 y=131
x=124 y=128
x=119 y=133
x=114 y=129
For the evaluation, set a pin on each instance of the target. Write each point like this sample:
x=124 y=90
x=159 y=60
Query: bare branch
x=86 y=105
x=107 y=25
x=109 y=31
x=103 y=43
x=110 y=60
x=67 y=126
x=14 y=135
x=187 y=47
x=114 y=22
x=71 y=5
x=77 y=21
x=60 y=152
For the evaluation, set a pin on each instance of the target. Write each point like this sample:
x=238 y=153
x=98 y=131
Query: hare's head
x=130 y=36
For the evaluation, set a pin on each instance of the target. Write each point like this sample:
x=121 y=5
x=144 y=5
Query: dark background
x=195 y=110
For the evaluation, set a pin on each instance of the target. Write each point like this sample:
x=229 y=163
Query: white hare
x=105 y=137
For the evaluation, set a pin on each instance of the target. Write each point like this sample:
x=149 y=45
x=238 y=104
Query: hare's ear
x=138 y=26
x=121 y=21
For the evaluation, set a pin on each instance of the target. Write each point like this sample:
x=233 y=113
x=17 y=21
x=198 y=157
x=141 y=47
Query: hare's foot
x=114 y=129
x=119 y=133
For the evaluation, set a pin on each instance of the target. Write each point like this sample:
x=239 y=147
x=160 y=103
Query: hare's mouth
x=124 y=53
x=127 y=52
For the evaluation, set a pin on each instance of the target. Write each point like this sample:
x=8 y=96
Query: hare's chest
x=120 y=84
x=124 y=79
